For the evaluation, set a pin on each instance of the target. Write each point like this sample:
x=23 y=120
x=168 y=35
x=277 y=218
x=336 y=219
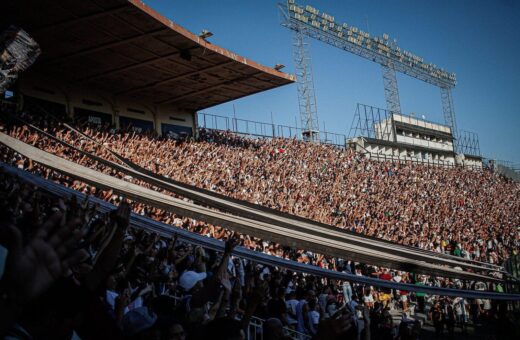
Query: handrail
x=246 y=127
x=257 y=322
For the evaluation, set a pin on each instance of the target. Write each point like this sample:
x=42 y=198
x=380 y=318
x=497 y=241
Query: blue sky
x=478 y=40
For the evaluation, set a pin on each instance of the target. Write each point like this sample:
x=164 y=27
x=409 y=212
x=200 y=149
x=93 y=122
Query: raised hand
x=34 y=268
x=122 y=215
x=230 y=245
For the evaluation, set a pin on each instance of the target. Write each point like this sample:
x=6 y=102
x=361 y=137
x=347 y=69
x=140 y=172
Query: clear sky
x=478 y=40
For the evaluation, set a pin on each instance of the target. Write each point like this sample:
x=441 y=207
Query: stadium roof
x=125 y=48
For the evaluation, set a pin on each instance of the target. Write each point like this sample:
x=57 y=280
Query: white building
x=401 y=137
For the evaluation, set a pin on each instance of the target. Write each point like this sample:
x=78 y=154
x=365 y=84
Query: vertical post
x=373 y=123
x=324 y=130
x=393 y=103
x=272 y=125
x=478 y=147
x=235 y=128
x=366 y=124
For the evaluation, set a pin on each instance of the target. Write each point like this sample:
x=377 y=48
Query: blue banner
x=137 y=125
x=176 y=131
x=93 y=117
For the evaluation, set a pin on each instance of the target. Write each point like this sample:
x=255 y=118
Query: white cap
x=190 y=278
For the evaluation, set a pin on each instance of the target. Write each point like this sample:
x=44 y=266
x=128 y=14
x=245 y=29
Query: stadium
x=130 y=213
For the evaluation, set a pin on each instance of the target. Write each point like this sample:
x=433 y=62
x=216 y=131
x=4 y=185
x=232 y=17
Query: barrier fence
x=262 y=129
x=269 y=130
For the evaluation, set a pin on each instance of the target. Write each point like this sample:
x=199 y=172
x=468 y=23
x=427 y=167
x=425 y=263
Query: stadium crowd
x=468 y=213
x=462 y=212
x=72 y=272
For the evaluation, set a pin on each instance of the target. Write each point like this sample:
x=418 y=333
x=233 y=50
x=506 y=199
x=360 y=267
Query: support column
x=449 y=114
x=393 y=103
x=306 y=94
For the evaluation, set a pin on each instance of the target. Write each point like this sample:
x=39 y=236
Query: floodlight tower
x=305 y=83
x=393 y=104
x=311 y=22
x=449 y=111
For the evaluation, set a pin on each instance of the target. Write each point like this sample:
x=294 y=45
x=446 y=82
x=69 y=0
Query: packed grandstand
x=109 y=231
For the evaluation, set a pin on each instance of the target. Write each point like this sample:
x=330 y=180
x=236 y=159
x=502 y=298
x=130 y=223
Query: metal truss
x=393 y=103
x=372 y=55
x=468 y=143
x=372 y=122
x=449 y=112
x=390 y=62
x=305 y=83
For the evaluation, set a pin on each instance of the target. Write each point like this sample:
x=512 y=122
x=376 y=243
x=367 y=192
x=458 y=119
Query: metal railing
x=261 y=129
x=255 y=326
x=255 y=331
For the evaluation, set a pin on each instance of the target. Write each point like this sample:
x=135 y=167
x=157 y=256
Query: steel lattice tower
x=393 y=103
x=449 y=113
x=305 y=82
x=312 y=23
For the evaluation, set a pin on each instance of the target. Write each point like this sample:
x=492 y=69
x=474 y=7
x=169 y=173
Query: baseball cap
x=190 y=278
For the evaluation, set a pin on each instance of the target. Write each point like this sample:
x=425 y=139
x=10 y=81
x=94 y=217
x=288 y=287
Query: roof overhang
x=124 y=48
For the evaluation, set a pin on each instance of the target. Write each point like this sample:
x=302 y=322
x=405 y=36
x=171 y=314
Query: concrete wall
x=508 y=172
x=418 y=140
x=399 y=152
x=386 y=131
x=92 y=100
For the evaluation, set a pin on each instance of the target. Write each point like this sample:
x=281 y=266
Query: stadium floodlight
x=385 y=50
x=307 y=20
x=278 y=67
x=205 y=34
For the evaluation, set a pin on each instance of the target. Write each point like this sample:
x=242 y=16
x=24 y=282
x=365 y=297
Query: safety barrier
x=260 y=129
x=255 y=331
